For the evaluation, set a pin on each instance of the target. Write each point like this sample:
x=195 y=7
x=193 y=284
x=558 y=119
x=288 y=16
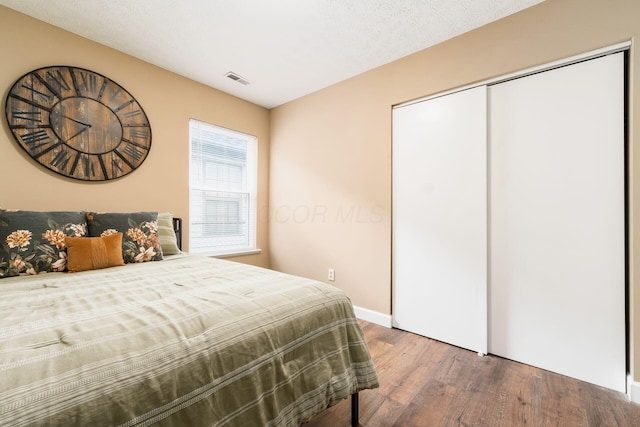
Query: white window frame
x=215 y=193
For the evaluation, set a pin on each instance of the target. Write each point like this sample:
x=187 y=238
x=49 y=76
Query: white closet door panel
x=439 y=218
x=557 y=257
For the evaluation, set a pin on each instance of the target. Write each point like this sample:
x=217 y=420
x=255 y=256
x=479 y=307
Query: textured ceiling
x=284 y=48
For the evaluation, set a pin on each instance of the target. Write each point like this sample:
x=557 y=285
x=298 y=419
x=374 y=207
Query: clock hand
x=77 y=121
x=84 y=127
x=79 y=132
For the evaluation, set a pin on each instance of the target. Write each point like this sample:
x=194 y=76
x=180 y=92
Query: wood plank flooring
x=428 y=383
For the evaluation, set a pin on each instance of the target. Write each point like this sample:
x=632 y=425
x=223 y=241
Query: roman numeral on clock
x=89 y=82
x=58 y=79
x=31 y=138
x=32 y=116
x=61 y=159
x=133 y=152
x=116 y=164
x=89 y=167
x=133 y=113
x=137 y=133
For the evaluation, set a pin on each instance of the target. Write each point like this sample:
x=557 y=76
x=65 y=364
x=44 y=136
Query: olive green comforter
x=188 y=341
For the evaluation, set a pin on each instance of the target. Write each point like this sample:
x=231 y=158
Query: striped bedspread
x=188 y=341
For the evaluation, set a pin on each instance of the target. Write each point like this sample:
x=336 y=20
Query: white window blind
x=222 y=204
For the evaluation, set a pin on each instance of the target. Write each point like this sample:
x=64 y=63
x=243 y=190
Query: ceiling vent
x=239 y=79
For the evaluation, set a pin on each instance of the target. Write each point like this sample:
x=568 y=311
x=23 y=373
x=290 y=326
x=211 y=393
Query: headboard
x=177 y=228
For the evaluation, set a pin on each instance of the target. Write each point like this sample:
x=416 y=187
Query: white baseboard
x=633 y=390
x=373 y=316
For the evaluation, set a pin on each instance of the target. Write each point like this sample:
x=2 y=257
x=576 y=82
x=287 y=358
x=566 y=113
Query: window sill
x=239 y=252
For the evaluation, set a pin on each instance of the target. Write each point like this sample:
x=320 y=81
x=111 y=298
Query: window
x=222 y=204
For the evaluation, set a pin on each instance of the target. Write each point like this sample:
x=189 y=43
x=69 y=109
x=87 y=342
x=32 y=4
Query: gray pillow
x=33 y=242
x=140 y=242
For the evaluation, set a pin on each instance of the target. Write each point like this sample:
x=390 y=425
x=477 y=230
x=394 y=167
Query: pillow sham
x=140 y=242
x=93 y=253
x=166 y=234
x=34 y=242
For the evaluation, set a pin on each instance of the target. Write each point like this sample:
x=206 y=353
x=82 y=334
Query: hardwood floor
x=424 y=382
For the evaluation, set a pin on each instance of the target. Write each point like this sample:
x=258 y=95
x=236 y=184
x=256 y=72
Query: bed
x=182 y=341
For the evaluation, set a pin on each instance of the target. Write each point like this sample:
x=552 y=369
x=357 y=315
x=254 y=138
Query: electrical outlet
x=332 y=274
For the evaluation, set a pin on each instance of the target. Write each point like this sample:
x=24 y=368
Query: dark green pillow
x=140 y=242
x=33 y=242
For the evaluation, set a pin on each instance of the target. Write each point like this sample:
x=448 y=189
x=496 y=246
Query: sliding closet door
x=439 y=218
x=557 y=221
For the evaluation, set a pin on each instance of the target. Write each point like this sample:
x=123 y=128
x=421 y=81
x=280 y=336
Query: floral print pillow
x=140 y=242
x=33 y=242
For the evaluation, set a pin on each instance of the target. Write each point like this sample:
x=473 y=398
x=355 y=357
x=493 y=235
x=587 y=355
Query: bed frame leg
x=354 y=409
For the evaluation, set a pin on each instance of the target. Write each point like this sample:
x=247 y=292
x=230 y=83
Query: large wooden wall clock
x=78 y=123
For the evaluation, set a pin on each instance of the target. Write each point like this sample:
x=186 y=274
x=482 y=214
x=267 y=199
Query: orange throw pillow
x=92 y=253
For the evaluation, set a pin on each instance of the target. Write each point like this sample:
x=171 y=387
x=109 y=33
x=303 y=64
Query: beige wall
x=161 y=182
x=328 y=166
x=331 y=150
